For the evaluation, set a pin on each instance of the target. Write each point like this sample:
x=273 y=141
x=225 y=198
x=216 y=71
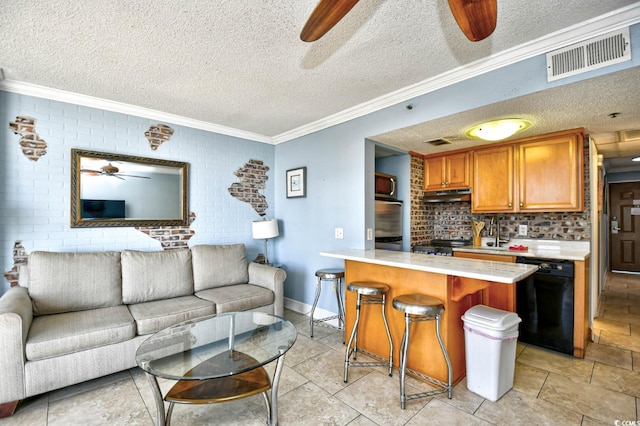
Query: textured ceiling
x=240 y=63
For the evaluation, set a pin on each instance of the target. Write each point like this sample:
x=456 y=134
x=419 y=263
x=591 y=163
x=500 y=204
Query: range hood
x=448 y=196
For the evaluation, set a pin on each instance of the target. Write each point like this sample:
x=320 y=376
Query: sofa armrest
x=16 y=314
x=272 y=278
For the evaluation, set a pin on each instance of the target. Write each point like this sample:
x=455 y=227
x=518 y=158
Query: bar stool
x=420 y=307
x=335 y=276
x=372 y=294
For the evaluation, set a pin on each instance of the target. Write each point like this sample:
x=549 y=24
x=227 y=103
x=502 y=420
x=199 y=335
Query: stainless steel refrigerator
x=389 y=225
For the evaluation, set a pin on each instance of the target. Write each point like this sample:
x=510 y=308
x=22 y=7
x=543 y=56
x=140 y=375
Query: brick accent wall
x=171 y=237
x=33 y=147
x=253 y=178
x=158 y=134
x=453 y=220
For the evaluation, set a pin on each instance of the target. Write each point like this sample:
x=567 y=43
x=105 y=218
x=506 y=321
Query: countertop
x=545 y=249
x=501 y=272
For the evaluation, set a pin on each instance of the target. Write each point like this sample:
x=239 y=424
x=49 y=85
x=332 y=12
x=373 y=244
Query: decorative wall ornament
x=20 y=257
x=33 y=147
x=253 y=177
x=158 y=134
x=171 y=237
x=297 y=182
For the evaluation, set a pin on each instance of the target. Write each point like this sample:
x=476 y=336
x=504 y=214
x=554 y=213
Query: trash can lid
x=491 y=318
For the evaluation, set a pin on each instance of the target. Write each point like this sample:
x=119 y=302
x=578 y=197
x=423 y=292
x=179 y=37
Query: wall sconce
x=265 y=229
x=498 y=129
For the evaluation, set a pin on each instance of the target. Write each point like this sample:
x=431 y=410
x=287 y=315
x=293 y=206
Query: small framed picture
x=297 y=182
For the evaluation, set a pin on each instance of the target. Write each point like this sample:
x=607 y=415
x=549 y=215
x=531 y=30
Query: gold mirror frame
x=77 y=175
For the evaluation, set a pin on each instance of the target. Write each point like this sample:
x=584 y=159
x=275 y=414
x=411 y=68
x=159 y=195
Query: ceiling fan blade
x=476 y=18
x=326 y=14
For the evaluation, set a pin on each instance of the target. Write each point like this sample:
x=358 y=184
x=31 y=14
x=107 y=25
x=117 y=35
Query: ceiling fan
x=476 y=18
x=110 y=170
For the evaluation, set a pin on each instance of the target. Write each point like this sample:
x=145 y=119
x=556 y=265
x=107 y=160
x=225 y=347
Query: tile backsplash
x=453 y=220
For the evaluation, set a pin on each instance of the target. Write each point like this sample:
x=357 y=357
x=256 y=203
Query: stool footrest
x=368 y=364
x=318 y=321
x=443 y=385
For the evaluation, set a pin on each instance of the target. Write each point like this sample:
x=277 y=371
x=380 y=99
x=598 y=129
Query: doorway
x=624 y=227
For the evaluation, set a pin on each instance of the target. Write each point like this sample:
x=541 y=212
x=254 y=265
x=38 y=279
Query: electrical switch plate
x=522 y=230
x=339 y=233
x=369 y=234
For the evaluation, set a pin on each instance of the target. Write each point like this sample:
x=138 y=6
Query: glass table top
x=216 y=346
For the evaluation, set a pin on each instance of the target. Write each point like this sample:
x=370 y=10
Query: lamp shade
x=498 y=129
x=267 y=228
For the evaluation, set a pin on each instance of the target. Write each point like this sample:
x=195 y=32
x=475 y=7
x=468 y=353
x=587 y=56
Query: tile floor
x=549 y=388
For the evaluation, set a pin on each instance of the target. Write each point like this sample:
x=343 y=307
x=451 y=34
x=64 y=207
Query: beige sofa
x=79 y=316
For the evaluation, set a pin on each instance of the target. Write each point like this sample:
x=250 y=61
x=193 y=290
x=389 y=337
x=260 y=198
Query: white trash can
x=490 y=337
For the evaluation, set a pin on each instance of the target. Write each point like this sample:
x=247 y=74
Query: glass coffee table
x=217 y=358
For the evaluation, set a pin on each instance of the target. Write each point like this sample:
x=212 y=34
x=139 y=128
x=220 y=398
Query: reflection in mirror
x=121 y=190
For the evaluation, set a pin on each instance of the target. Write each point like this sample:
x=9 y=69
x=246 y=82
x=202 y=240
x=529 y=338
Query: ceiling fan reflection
x=110 y=170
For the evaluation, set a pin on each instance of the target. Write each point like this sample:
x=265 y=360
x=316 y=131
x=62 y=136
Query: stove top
x=450 y=243
x=441 y=247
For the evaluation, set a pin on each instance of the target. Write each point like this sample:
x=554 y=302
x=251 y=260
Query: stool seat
x=368 y=288
x=418 y=304
x=330 y=274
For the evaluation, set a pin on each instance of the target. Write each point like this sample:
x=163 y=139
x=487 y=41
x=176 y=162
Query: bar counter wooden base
x=458 y=295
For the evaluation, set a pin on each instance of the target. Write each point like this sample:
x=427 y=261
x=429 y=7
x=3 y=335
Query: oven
x=441 y=247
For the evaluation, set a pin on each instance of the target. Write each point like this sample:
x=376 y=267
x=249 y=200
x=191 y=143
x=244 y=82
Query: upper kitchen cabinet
x=447 y=171
x=551 y=174
x=539 y=174
x=493 y=179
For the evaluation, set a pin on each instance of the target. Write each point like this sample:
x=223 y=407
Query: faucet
x=498 y=240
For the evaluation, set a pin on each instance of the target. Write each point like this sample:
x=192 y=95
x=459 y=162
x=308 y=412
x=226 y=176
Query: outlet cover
x=369 y=234
x=522 y=230
x=339 y=232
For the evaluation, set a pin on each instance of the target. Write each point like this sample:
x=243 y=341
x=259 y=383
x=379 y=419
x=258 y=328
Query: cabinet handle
x=509 y=205
x=521 y=204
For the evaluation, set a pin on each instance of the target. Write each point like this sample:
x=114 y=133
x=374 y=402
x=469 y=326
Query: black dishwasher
x=544 y=302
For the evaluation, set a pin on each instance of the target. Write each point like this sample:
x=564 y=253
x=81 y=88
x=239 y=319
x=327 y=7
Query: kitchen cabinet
x=551 y=174
x=541 y=174
x=493 y=179
x=447 y=171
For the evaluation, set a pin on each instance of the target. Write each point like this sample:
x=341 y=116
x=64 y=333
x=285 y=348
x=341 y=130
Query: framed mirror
x=113 y=190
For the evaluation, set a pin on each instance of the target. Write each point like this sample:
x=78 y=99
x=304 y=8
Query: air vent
x=598 y=52
x=439 y=142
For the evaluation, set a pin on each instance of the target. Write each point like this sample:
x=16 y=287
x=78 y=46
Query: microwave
x=386 y=186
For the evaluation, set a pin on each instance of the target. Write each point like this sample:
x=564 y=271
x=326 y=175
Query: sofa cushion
x=156 y=275
x=219 y=265
x=66 y=282
x=59 y=334
x=152 y=317
x=240 y=297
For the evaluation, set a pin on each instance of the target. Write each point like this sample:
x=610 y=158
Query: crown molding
x=612 y=21
x=603 y=24
x=123 y=108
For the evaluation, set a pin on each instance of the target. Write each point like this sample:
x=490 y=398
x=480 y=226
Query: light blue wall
x=35 y=195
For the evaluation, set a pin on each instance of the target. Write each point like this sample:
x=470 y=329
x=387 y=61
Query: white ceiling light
x=498 y=129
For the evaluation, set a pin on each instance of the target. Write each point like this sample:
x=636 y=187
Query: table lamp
x=265 y=229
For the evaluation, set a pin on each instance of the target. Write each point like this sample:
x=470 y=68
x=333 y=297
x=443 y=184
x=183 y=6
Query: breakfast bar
x=459 y=283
